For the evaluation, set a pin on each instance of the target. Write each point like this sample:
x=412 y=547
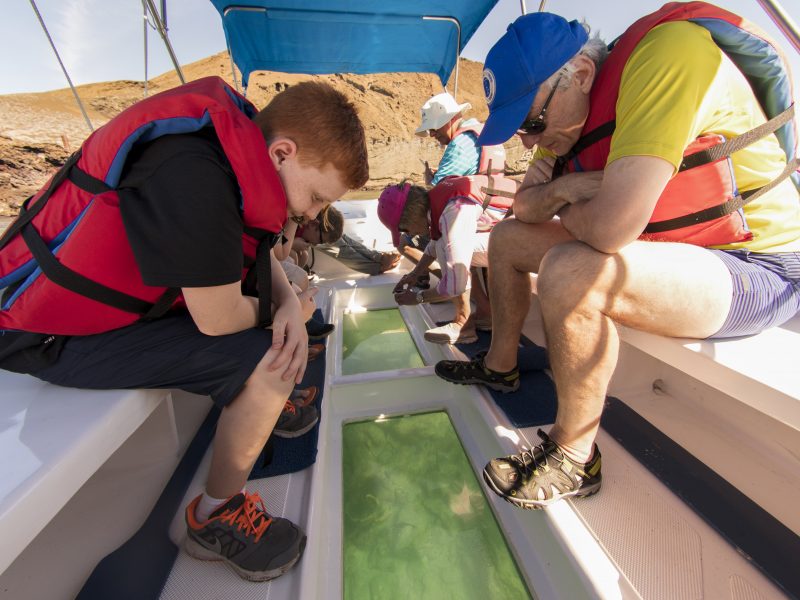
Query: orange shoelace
x=251 y=516
x=290 y=407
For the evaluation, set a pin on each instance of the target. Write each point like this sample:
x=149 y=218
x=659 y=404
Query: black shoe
x=538 y=477
x=317 y=330
x=240 y=532
x=295 y=420
x=476 y=371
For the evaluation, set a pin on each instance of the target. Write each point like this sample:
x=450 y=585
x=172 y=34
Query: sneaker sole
x=526 y=504
x=196 y=550
x=297 y=433
x=496 y=387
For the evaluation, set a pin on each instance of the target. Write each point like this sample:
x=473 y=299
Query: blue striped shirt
x=461 y=157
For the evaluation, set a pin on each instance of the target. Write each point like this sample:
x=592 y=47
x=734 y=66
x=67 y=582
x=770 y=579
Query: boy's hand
x=289 y=351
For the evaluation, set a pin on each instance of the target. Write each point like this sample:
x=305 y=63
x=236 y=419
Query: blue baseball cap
x=533 y=48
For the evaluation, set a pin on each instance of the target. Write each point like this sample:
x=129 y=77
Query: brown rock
x=37 y=131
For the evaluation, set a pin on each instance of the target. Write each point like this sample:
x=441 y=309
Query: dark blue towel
x=284 y=455
x=534 y=403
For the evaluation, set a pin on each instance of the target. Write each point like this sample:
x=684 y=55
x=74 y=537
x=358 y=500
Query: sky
x=102 y=40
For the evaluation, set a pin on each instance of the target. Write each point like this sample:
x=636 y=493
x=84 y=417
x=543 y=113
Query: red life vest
x=493 y=157
x=701 y=204
x=471 y=187
x=66 y=261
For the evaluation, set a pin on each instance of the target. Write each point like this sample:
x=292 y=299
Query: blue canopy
x=349 y=36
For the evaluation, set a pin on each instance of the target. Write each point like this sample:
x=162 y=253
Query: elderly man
x=630 y=225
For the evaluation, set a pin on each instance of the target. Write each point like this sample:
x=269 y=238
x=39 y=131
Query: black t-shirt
x=179 y=200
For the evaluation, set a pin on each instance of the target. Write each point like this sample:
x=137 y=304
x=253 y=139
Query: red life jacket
x=471 y=187
x=66 y=261
x=492 y=157
x=701 y=204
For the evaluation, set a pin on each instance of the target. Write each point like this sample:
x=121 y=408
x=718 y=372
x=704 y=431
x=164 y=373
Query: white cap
x=438 y=110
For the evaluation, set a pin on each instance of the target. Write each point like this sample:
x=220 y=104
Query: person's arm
x=221 y=309
x=538 y=199
x=620 y=211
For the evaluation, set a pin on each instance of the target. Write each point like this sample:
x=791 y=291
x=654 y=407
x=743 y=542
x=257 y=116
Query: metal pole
x=784 y=22
x=522 y=7
x=63 y=68
x=455 y=22
x=145 y=25
x=541 y=5
x=163 y=33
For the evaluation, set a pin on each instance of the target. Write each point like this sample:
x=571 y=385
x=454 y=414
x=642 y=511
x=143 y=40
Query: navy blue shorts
x=166 y=353
x=766 y=290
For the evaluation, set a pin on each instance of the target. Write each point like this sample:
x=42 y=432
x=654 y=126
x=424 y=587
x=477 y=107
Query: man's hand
x=540 y=171
x=289 y=351
x=410 y=279
x=406 y=297
x=428 y=173
x=538 y=203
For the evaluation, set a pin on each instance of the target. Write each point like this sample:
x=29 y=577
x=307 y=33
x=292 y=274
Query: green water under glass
x=416 y=524
x=377 y=340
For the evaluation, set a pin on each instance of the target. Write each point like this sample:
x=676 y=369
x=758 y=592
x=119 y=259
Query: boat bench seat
x=52 y=440
x=760 y=371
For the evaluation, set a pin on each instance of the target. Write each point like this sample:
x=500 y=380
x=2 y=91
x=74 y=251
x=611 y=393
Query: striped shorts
x=766 y=290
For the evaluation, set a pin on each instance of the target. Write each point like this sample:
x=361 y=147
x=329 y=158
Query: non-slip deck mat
x=755 y=533
x=287 y=455
x=534 y=403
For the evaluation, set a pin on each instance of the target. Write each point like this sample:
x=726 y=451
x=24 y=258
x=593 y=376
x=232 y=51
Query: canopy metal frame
x=158 y=23
x=783 y=21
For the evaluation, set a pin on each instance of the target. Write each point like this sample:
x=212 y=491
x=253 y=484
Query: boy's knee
x=269 y=380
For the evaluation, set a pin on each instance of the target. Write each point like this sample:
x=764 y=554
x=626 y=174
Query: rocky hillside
x=38 y=131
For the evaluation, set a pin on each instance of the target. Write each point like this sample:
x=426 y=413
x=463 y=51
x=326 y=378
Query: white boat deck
x=635 y=539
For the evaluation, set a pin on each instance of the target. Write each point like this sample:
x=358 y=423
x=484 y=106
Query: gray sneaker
x=295 y=420
x=538 y=477
x=241 y=533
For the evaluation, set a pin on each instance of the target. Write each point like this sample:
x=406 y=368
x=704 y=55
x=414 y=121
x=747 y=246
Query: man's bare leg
x=483 y=309
x=668 y=289
x=515 y=251
x=243 y=429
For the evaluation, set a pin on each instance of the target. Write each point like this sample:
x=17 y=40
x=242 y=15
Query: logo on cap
x=489 y=85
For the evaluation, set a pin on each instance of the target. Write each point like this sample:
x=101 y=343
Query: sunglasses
x=537 y=125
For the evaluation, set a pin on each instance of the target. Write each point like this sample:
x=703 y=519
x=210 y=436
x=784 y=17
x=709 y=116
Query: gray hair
x=594 y=49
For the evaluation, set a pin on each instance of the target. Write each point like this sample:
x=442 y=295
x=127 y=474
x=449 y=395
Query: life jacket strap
x=75 y=282
x=736 y=143
x=595 y=135
x=264 y=281
x=27 y=214
x=715 y=212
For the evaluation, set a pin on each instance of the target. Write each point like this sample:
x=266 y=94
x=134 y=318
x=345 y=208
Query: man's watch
x=420 y=297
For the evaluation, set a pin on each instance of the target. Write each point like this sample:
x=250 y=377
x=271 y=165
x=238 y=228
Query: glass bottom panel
x=377 y=340
x=416 y=524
